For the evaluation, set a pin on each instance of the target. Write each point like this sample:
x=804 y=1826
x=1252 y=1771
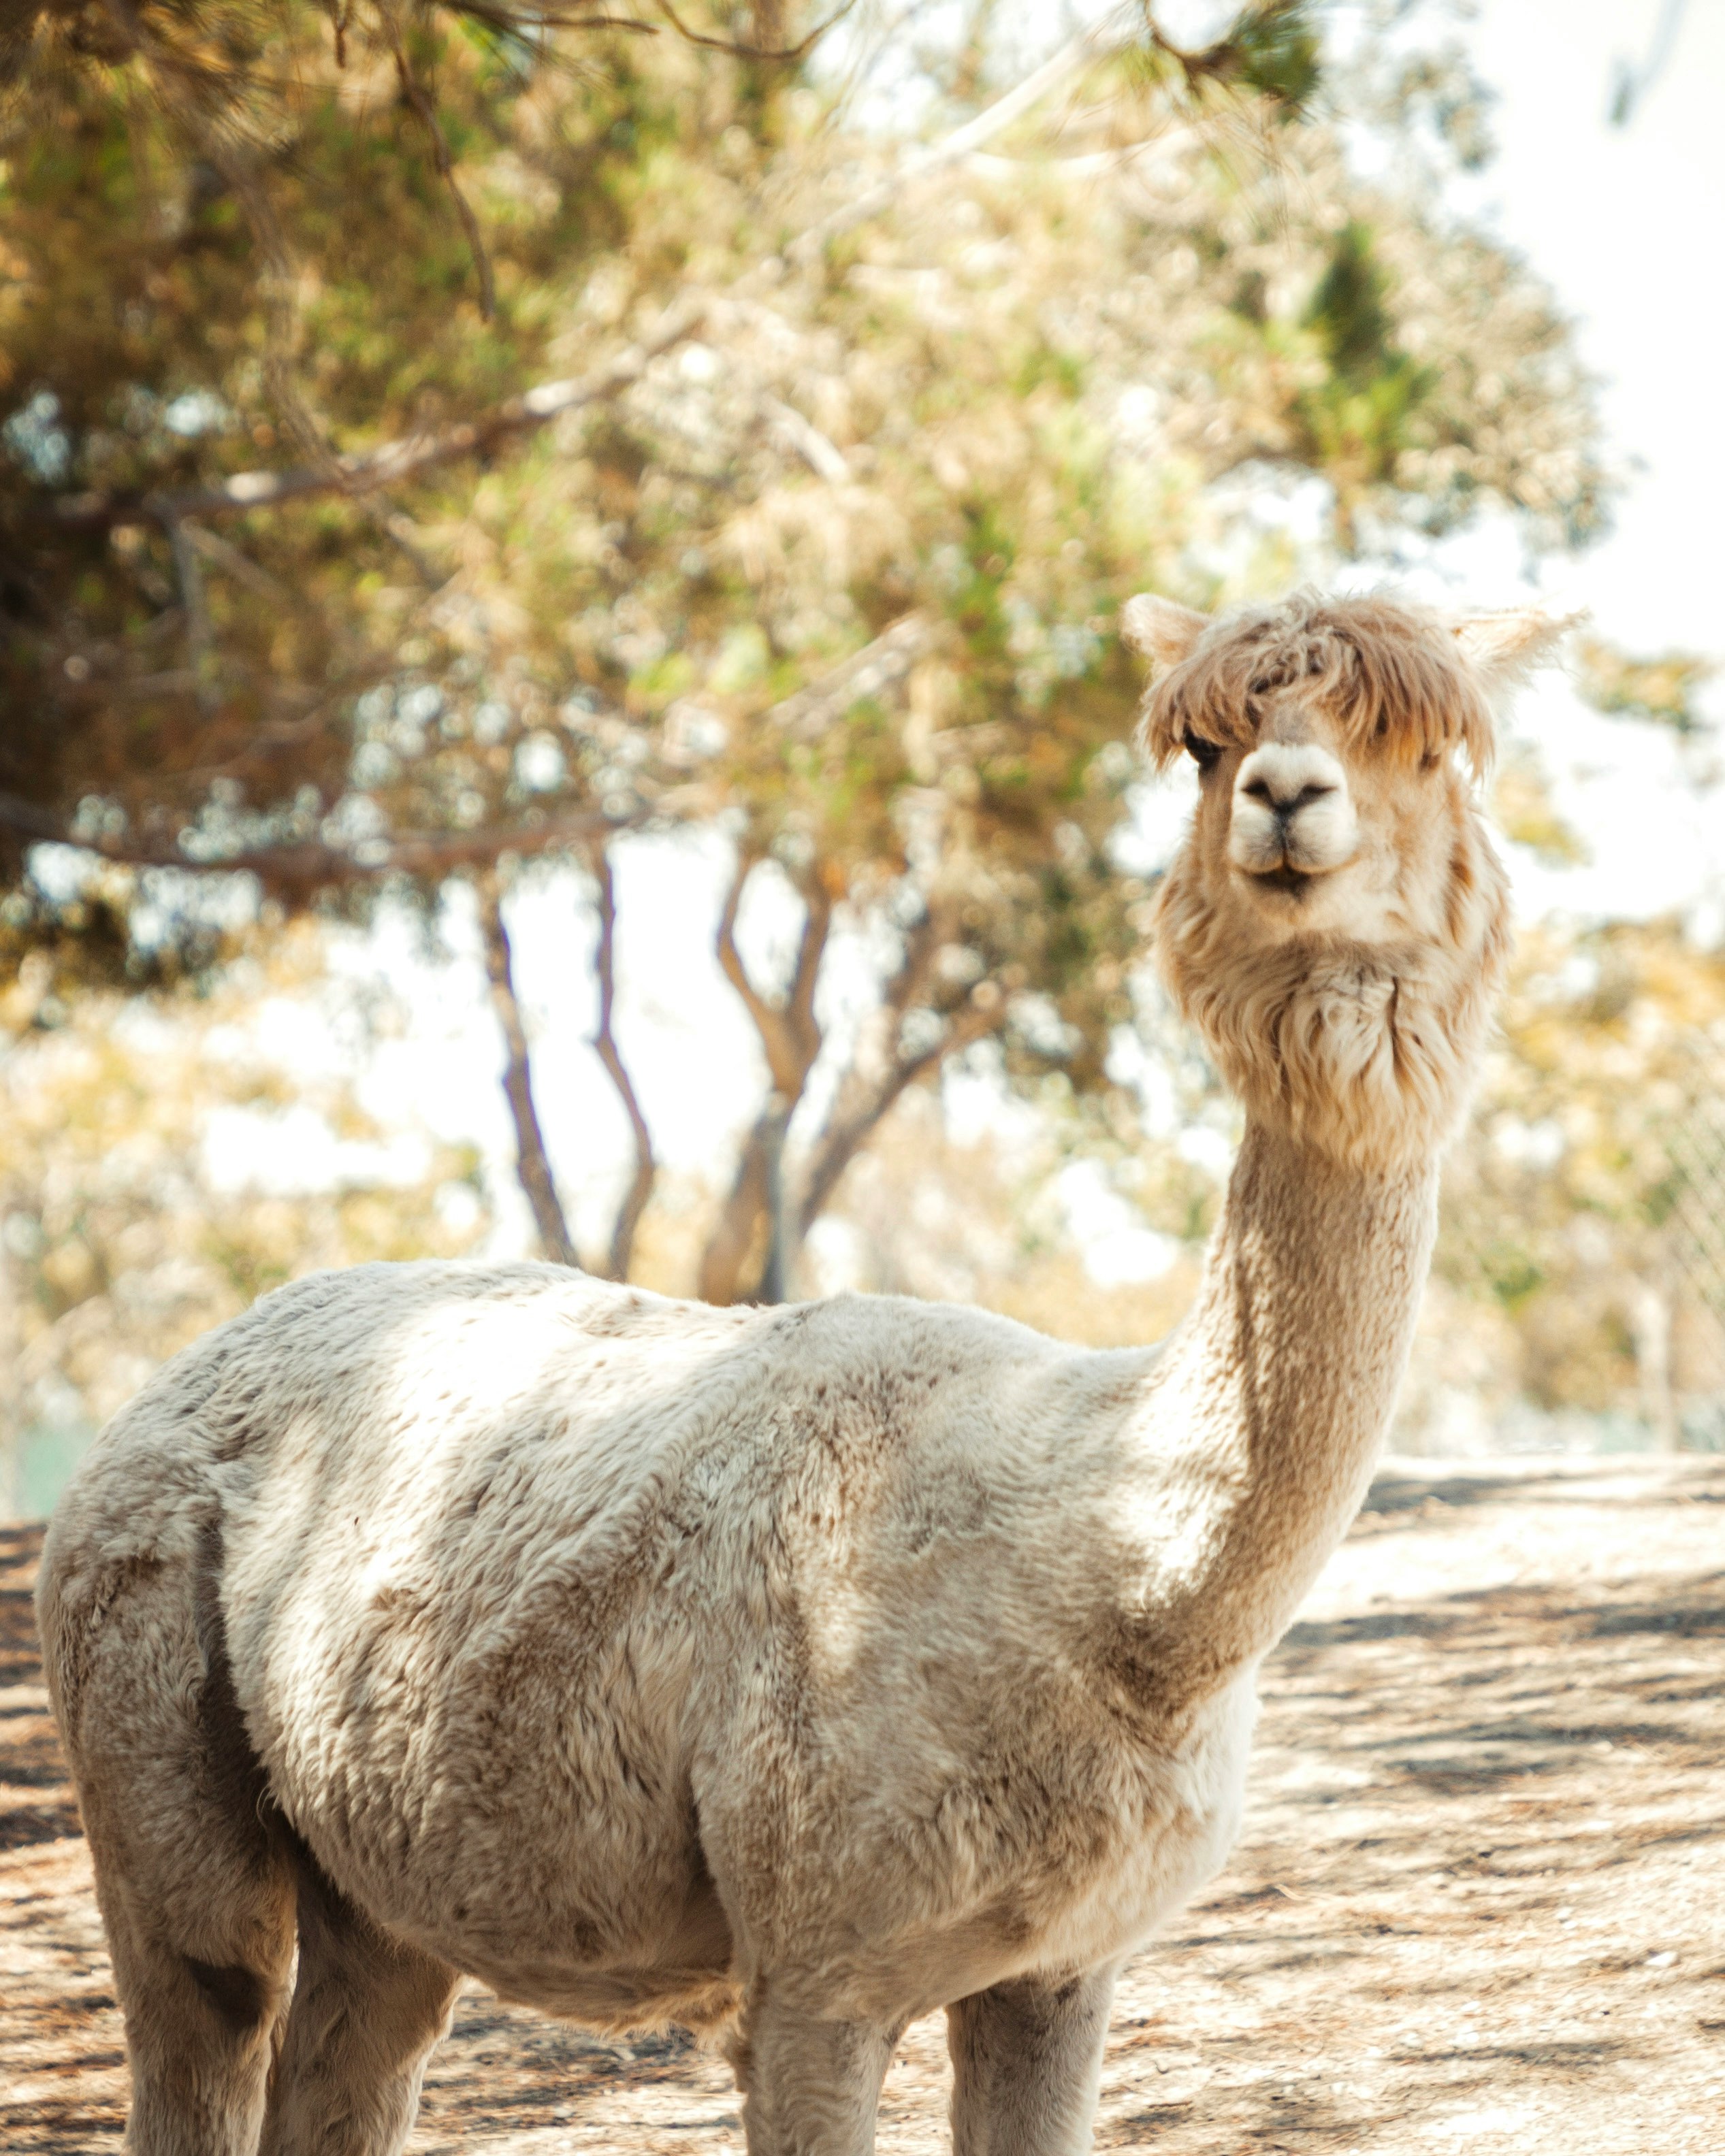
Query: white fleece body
x=614 y=1649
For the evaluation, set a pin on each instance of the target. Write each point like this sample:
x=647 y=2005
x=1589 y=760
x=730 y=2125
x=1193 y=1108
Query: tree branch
x=786 y=54
x=190 y=574
x=393 y=461
x=532 y=1163
x=361 y=471
x=241 y=566
x=880 y=664
x=426 y=113
x=397 y=460
x=301 y=866
x=1110 y=35
x=789 y=1034
x=845 y=1133
x=604 y=1043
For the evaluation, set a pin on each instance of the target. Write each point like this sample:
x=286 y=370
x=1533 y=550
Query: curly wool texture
x=1388 y=674
x=1366 y=1053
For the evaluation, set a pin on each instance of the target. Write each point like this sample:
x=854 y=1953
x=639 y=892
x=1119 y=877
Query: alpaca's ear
x=1505 y=648
x=1161 y=629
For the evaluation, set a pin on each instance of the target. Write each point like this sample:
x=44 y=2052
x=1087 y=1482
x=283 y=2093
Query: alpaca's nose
x=1284 y=808
x=1286 y=776
x=1291 y=810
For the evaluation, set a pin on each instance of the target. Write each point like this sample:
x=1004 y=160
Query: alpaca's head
x=1337 y=919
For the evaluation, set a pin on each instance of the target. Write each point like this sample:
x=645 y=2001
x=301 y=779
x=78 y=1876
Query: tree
x=794 y=482
x=148 y=1186
x=1581 y=1220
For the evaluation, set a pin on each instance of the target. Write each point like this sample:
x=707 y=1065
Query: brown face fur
x=1336 y=918
x=1299 y=835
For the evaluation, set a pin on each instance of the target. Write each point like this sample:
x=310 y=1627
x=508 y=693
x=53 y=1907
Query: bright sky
x=1621 y=222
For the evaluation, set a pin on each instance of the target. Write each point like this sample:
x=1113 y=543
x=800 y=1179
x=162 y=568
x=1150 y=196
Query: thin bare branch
x=280 y=287
x=239 y=566
x=298 y=867
x=533 y=1165
x=426 y=113
x=799 y=1000
x=392 y=462
x=784 y=54
x=822 y=456
x=789 y=1035
x=881 y=665
x=198 y=648
x=849 y=1128
x=640 y=1188
x=1111 y=34
x=725 y=940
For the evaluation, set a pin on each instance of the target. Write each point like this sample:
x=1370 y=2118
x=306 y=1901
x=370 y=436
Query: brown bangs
x=1383 y=672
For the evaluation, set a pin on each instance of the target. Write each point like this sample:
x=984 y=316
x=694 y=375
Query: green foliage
x=1664 y=689
x=1346 y=312
x=986 y=414
x=1281 y=56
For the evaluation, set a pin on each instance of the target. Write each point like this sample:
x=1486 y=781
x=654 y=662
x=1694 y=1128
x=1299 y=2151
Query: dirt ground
x=1479 y=1902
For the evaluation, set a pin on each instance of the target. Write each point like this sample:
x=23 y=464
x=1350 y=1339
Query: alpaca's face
x=1301 y=833
x=1330 y=738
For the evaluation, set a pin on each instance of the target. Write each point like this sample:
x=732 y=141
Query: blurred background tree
x=440 y=445
x=133 y=1215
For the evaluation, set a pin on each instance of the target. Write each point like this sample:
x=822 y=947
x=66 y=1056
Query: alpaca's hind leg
x=1026 y=2061
x=366 y=2012
x=811 y=2086
x=193 y=1879
x=199 y=2031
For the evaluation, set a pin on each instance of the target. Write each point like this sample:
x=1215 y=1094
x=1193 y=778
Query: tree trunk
x=725 y=1270
x=531 y=1161
x=791 y=1040
x=605 y=1043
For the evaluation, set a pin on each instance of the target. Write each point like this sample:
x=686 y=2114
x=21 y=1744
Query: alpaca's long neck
x=1268 y=1409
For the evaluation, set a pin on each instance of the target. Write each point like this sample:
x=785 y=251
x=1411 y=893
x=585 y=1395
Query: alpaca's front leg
x=811 y=2086
x=1027 y=2059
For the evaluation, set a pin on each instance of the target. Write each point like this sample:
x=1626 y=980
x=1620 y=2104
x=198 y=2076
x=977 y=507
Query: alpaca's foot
x=1027 y=2060
x=367 y=2011
x=810 y=2087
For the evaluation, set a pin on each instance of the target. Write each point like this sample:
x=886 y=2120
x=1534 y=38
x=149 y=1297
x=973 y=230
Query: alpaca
x=789 y=1673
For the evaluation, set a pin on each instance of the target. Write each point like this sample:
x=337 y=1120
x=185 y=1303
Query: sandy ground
x=1479 y=1902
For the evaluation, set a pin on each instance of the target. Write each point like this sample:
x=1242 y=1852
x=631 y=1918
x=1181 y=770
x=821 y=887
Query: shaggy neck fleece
x=1365 y=1051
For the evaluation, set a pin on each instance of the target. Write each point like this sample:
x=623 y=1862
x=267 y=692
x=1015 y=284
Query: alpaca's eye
x=1205 y=754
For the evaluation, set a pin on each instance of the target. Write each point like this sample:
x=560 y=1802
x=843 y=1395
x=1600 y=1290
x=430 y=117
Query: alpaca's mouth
x=1285 y=878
